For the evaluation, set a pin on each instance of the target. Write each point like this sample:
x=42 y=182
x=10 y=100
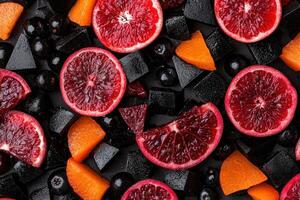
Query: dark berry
x=121 y=182
x=35 y=26
x=211 y=177
x=4 y=162
x=161 y=50
x=58 y=25
x=207 y=194
x=37 y=104
x=289 y=136
x=47 y=81
x=5 y=52
x=223 y=150
x=56 y=61
x=167 y=76
x=40 y=47
x=58 y=182
x=235 y=63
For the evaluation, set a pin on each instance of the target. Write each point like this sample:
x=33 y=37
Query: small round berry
x=40 y=47
x=161 y=50
x=58 y=25
x=56 y=61
x=207 y=194
x=235 y=63
x=47 y=81
x=121 y=182
x=223 y=150
x=211 y=177
x=35 y=27
x=37 y=104
x=58 y=182
x=167 y=76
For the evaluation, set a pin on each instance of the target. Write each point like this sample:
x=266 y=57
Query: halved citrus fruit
x=184 y=142
x=127 y=26
x=22 y=136
x=291 y=189
x=149 y=189
x=92 y=82
x=297 y=150
x=260 y=101
x=248 y=20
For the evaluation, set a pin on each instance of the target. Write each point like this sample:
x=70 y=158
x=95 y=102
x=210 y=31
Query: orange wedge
x=195 y=52
x=291 y=54
x=83 y=137
x=263 y=191
x=82 y=11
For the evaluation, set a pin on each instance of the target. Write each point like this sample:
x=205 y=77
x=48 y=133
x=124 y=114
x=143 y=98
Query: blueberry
x=211 y=177
x=288 y=137
x=56 y=61
x=235 y=63
x=37 y=104
x=58 y=25
x=40 y=47
x=161 y=50
x=58 y=182
x=167 y=76
x=4 y=163
x=47 y=81
x=5 y=52
x=121 y=182
x=207 y=194
x=35 y=26
x=223 y=150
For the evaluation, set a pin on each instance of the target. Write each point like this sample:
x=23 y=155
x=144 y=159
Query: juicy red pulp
x=247 y=18
x=293 y=193
x=88 y=81
x=149 y=191
x=260 y=101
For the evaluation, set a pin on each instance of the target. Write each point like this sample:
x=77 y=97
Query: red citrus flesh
x=291 y=189
x=297 y=150
x=13 y=89
x=248 y=20
x=260 y=101
x=22 y=136
x=127 y=26
x=92 y=82
x=149 y=189
x=184 y=142
x=168 y=4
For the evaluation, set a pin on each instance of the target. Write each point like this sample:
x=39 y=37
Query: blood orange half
x=127 y=26
x=260 y=101
x=149 y=189
x=23 y=137
x=184 y=142
x=291 y=189
x=92 y=82
x=248 y=20
x=297 y=150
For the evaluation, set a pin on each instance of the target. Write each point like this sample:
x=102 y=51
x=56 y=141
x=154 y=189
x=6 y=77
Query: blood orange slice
x=260 y=101
x=127 y=26
x=149 y=189
x=23 y=137
x=248 y=20
x=13 y=89
x=184 y=142
x=92 y=82
x=291 y=189
x=297 y=150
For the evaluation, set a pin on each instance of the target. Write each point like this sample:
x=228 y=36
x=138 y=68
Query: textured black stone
x=200 y=10
x=103 y=154
x=60 y=120
x=177 y=28
x=26 y=173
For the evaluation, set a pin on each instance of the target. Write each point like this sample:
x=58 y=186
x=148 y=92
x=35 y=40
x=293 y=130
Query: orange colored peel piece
x=291 y=54
x=82 y=11
x=85 y=182
x=9 y=14
x=196 y=52
x=83 y=137
x=263 y=191
x=238 y=173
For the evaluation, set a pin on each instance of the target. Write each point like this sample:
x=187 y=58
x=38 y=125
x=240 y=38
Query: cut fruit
x=85 y=182
x=291 y=54
x=83 y=137
x=92 y=82
x=13 y=89
x=248 y=20
x=263 y=191
x=82 y=11
x=168 y=4
x=291 y=189
x=9 y=14
x=184 y=142
x=127 y=26
x=238 y=173
x=136 y=89
x=196 y=52
x=149 y=189
x=135 y=117
x=23 y=137
x=260 y=101
x=297 y=150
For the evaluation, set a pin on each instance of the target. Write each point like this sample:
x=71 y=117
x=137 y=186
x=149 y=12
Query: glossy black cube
x=201 y=11
x=60 y=120
x=103 y=154
x=177 y=28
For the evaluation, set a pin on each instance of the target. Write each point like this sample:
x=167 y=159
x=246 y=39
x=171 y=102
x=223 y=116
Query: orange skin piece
x=9 y=15
x=85 y=182
x=291 y=54
x=263 y=191
x=83 y=137
x=196 y=52
x=81 y=12
x=238 y=173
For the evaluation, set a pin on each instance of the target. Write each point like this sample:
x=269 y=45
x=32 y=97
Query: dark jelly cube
x=57 y=155
x=219 y=44
x=26 y=173
x=186 y=73
x=103 y=154
x=291 y=15
x=21 y=57
x=177 y=28
x=39 y=194
x=200 y=10
x=60 y=120
x=211 y=89
x=40 y=4
x=138 y=165
x=280 y=169
x=134 y=66
x=9 y=186
x=74 y=41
